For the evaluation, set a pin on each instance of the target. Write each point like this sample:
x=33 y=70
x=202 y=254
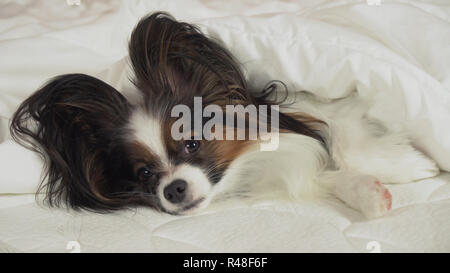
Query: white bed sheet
x=398 y=52
x=418 y=222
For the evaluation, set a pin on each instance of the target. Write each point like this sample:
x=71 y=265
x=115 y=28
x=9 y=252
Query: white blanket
x=396 y=51
x=419 y=222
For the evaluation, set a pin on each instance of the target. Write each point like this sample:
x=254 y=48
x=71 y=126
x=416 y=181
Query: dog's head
x=103 y=153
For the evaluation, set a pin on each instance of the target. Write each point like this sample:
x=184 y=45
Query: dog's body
x=362 y=154
x=103 y=153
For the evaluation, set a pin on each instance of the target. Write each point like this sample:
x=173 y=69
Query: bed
x=394 y=51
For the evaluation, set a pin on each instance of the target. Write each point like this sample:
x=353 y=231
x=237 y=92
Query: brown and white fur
x=104 y=153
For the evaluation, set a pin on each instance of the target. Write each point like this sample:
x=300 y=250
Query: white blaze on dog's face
x=187 y=182
x=104 y=153
x=181 y=173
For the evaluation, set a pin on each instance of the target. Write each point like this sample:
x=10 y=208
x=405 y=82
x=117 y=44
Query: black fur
x=78 y=123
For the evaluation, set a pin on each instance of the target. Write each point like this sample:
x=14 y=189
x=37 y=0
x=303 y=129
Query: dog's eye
x=144 y=174
x=191 y=146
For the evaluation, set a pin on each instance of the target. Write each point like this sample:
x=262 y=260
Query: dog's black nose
x=175 y=191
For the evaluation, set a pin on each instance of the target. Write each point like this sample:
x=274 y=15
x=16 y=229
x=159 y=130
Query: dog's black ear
x=72 y=122
x=175 y=59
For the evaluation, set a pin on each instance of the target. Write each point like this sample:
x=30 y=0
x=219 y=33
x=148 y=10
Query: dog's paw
x=374 y=199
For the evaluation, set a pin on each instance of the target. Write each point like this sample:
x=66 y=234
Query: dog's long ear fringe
x=175 y=59
x=296 y=122
x=167 y=55
x=71 y=122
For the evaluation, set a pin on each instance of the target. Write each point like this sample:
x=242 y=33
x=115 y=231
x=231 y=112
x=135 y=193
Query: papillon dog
x=104 y=153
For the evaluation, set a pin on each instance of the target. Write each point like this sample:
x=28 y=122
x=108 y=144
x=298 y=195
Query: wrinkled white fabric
x=397 y=52
x=418 y=222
